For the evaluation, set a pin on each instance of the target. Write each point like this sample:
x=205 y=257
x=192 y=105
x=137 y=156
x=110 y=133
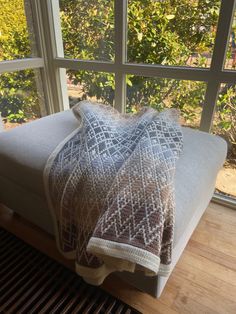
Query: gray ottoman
x=25 y=150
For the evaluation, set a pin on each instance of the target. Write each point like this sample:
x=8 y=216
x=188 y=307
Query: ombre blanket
x=110 y=188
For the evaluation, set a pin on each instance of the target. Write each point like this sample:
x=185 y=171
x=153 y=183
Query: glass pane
x=88 y=29
x=188 y=96
x=21 y=97
x=94 y=86
x=16 y=30
x=230 y=62
x=172 y=32
x=225 y=125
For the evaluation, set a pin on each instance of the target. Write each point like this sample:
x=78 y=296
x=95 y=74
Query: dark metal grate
x=31 y=282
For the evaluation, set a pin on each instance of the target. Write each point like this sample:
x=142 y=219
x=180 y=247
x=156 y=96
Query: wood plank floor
x=204 y=280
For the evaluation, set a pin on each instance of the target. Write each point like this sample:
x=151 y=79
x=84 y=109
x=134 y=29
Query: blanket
x=110 y=188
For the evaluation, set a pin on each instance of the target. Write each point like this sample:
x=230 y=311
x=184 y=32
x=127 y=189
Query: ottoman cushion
x=25 y=150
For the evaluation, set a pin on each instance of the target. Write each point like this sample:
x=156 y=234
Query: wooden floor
x=204 y=280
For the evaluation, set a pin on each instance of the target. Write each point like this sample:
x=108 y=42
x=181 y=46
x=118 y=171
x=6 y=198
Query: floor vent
x=31 y=282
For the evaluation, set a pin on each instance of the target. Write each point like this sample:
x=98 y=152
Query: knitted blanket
x=110 y=187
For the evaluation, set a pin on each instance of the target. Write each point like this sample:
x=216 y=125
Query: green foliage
x=18 y=96
x=159 y=32
x=225 y=122
x=18 y=93
x=88 y=29
x=14 y=37
x=88 y=33
x=150 y=36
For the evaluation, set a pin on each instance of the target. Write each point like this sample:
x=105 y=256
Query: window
x=224 y=124
x=171 y=32
x=94 y=86
x=21 y=89
x=16 y=35
x=187 y=96
x=88 y=29
x=21 y=97
x=230 y=62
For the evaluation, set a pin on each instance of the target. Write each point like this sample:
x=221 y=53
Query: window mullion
x=59 y=52
x=217 y=63
x=47 y=43
x=211 y=97
x=41 y=51
x=120 y=53
x=222 y=35
x=21 y=64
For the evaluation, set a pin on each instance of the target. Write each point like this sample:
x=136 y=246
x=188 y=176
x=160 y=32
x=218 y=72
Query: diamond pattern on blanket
x=112 y=180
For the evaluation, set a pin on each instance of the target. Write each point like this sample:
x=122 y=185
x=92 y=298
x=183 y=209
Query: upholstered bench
x=25 y=150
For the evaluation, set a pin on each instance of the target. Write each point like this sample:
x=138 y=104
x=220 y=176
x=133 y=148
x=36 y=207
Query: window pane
x=225 y=125
x=230 y=62
x=188 y=96
x=94 y=86
x=16 y=30
x=21 y=97
x=88 y=29
x=172 y=32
